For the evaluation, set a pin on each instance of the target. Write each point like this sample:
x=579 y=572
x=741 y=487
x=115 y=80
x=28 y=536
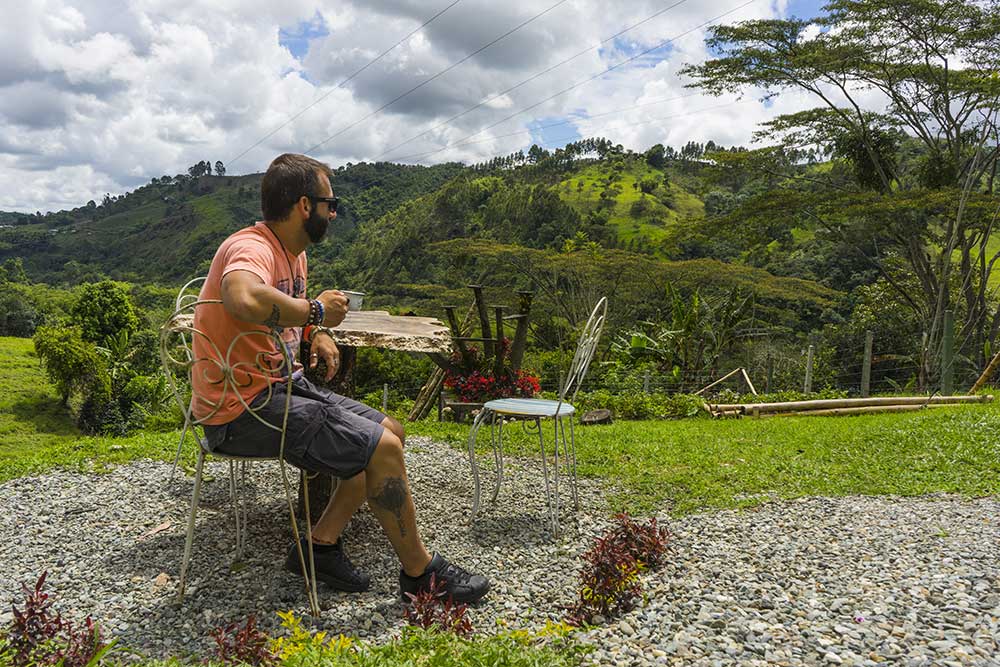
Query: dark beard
x=316 y=225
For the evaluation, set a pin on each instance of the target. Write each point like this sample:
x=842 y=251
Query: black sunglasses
x=331 y=201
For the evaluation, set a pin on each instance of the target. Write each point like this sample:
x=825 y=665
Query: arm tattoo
x=272 y=321
x=391 y=498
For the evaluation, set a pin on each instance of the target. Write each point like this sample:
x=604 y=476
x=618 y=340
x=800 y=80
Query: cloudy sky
x=100 y=96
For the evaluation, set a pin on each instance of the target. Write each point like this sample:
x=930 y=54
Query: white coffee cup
x=354 y=299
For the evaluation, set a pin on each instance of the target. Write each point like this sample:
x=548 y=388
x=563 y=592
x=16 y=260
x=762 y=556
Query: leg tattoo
x=392 y=497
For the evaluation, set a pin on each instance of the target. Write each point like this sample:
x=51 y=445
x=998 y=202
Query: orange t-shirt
x=258 y=250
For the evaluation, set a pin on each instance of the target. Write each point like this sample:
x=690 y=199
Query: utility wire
x=442 y=72
x=609 y=126
x=341 y=84
x=596 y=76
x=528 y=80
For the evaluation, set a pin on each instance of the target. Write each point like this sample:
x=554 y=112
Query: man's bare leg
x=390 y=500
x=343 y=503
x=347 y=498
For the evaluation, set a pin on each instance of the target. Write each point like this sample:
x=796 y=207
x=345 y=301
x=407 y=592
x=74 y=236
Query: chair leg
x=553 y=518
x=555 y=470
x=189 y=540
x=476 y=424
x=496 y=440
x=569 y=447
x=234 y=502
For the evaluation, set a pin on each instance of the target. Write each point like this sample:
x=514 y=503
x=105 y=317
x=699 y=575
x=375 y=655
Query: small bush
x=38 y=638
x=240 y=644
x=647 y=543
x=430 y=609
x=609 y=580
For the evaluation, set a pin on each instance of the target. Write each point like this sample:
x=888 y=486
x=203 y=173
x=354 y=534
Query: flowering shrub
x=38 y=638
x=430 y=608
x=477 y=381
x=303 y=645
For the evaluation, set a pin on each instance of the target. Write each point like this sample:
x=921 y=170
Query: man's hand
x=323 y=347
x=335 y=303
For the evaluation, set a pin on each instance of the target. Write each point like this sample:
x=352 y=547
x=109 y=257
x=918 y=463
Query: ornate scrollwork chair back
x=219 y=369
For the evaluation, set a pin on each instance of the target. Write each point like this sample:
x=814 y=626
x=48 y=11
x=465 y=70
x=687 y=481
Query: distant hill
x=568 y=213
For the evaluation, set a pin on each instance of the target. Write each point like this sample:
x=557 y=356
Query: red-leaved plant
x=431 y=608
x=477 y=380
x=39 y=638
x=647 y=543
x=238 y=644
x=609 y=579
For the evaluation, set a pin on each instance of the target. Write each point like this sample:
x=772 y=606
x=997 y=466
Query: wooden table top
x=377 y=328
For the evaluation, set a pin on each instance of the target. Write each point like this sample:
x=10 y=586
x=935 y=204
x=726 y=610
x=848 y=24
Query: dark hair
x=289 y=177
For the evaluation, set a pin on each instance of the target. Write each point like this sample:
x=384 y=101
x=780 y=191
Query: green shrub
x=637 y=404
x=104 y=309
x=72 y=364
x=18 y=316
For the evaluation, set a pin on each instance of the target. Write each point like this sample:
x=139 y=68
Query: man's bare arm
x=246 y=297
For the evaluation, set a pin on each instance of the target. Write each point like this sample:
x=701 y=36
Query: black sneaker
x=461 y=585
x=333 y=567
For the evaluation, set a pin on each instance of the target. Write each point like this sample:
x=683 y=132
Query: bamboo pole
x=857 y=410
x=749 y=383
x=987 y=374
x=721 y=379
x=836 y=403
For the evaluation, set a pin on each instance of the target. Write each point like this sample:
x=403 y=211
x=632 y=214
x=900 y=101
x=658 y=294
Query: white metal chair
x=176 y=352
x=535 y=410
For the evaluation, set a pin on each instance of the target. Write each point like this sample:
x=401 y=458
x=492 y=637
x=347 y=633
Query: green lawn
x=692 y=464
x=36 y=432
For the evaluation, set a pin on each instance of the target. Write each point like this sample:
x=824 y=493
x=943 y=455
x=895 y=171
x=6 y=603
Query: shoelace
x=453 y=572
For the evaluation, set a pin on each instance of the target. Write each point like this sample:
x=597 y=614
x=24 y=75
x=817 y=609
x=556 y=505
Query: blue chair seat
x=529 y=407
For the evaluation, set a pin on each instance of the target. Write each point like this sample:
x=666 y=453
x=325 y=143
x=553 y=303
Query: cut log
x=598 y=416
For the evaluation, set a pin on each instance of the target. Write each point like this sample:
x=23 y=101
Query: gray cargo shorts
x=327 y=432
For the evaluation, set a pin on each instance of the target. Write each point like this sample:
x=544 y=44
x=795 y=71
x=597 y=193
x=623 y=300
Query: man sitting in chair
x=259 y=273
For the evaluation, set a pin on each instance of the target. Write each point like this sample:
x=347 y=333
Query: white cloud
x=98 y=97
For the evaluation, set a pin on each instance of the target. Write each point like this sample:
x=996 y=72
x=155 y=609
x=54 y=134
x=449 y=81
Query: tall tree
x=933 y=64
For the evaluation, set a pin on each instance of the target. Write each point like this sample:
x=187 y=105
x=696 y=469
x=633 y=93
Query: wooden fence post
x=948 y=354
x=866 y=365
x=807 y=388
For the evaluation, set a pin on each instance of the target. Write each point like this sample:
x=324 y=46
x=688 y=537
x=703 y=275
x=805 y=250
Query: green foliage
x=18 y=316
x=694 y=337
x=71 y=363
x=638 y=404
x=104 y=309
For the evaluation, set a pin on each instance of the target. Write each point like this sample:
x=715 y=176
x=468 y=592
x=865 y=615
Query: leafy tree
x=71 y=363
x=103 y=310
x=655 y=157
x=935 y=62
x=220 y=169
x=18 y=316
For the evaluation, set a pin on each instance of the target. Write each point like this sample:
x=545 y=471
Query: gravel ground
x=815 y=581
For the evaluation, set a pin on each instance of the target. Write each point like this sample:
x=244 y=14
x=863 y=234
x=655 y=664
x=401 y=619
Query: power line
x=341 y=84
x=567 y=122
x=596 y=76
x=529 y=79
x=442 y=72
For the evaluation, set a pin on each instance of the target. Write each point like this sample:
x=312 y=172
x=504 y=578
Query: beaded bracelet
x=317 y=312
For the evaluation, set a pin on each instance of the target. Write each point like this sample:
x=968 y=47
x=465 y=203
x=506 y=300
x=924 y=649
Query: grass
x=691 y=464
x=701 y=464
x=37 y=433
